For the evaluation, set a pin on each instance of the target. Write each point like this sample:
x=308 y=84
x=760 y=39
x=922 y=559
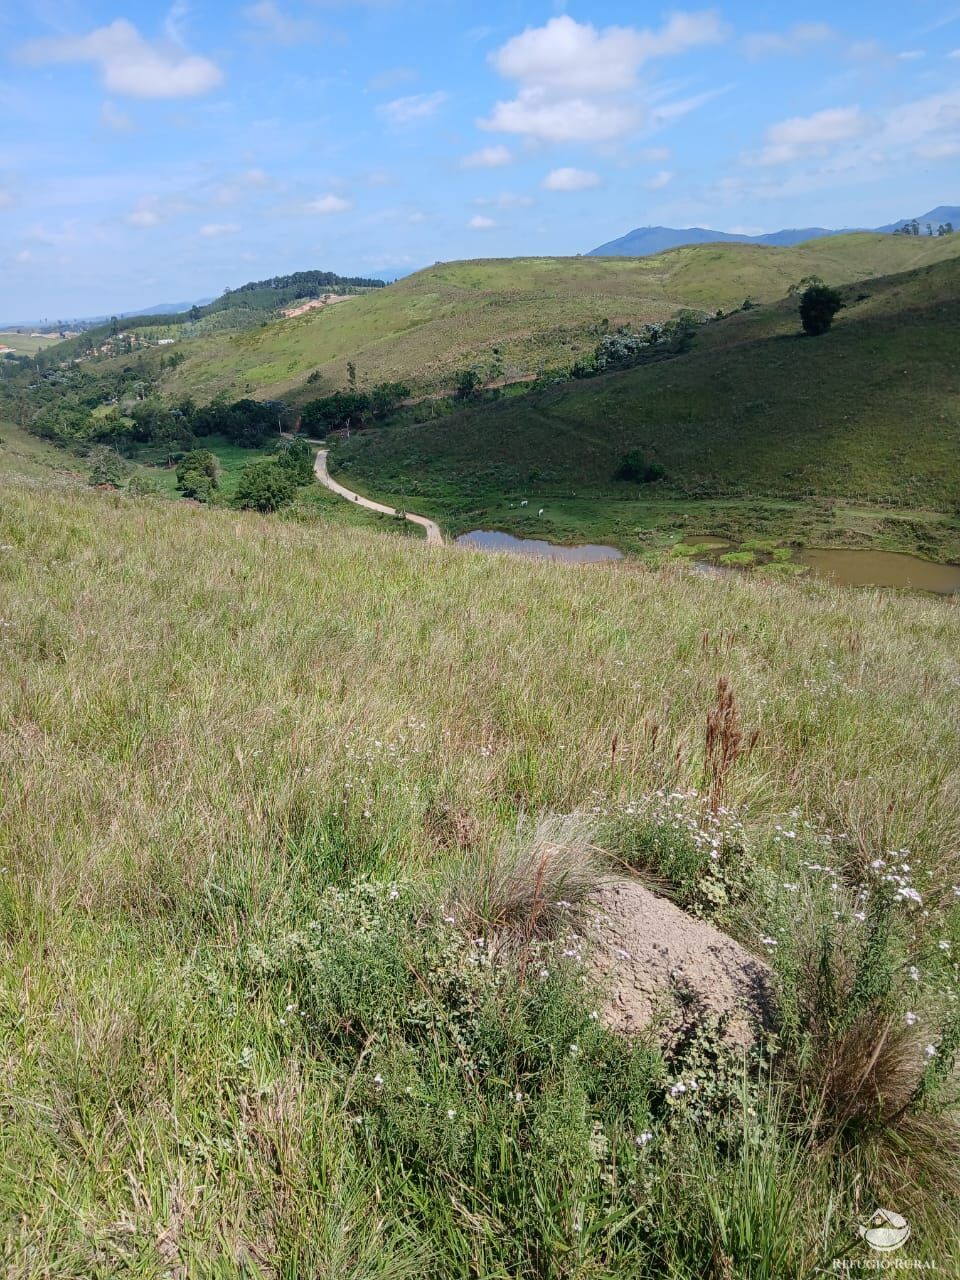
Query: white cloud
x=487 y=158
x=535 y=115
x=254 y=178
x=798 y=39
x=481 y=223
x=655 y=154
x=25 y=256
x=576 y=83
x=114 y=119
x=269 y=22
x=659 y=180
x=328 y=204
x=955 y=54
x=668 y=111
x=570 y=180
x=129 y=64
x=418 y=106
x=146 y=214
x=212 y=229
x=574 y=57
x=802 y=134
x=911 y=55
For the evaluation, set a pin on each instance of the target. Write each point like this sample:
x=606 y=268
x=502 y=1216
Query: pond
x=881 y=569
x=537 y=549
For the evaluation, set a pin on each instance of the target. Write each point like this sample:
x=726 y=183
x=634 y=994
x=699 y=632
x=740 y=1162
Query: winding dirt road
x=434 y=536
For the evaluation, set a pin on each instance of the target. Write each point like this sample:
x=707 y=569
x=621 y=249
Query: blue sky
x=156 y=154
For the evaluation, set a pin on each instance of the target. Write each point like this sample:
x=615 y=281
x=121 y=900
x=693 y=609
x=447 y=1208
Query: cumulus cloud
x=129 y=64
x=798 y=39
x=328 y=204
x=417 y=106
x=571 y=180
x=577 y=83
x=802 y=134
x=481 y=223
x=487 y=158
x=659 y=180
x=213 y=229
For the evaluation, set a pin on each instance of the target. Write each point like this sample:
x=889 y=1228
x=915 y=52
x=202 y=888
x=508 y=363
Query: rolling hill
x=516 y=317
x=755 y=411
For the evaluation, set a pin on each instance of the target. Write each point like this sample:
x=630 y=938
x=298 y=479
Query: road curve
x=434 y=536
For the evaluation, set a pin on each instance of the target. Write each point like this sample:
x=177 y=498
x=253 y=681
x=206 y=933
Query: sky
x=160 y=154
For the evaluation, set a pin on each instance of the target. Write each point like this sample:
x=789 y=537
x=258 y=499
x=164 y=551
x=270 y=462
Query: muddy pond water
x=881 y=569
x=840 y=565
x=536 y=548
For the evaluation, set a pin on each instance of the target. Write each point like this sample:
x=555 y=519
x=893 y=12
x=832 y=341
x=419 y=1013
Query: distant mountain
x=165 y=308
x=943 y=213
x=644 y=241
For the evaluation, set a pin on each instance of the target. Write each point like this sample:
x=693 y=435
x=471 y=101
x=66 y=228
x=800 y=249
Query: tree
x=265 y=486
x=467 y=384
x=198 y=474
x=818 y=305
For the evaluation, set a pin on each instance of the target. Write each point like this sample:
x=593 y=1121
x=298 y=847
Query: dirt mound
x=656 y=961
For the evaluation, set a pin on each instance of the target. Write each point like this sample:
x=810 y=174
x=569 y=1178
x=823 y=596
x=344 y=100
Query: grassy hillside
x=243 y=764
x=869 y=413
x=517 y=316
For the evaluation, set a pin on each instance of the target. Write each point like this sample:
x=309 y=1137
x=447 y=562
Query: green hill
x=516 y=317
x=755 y=410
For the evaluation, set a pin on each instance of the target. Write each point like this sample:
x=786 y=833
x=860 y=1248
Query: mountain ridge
x=642 y=242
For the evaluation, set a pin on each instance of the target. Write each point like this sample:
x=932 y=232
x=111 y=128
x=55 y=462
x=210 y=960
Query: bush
x=265 y=486
x=635 y=467
x=106 y=468
x=198 y=474
x=818 y=305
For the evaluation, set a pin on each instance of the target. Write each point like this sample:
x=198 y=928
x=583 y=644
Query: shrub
x=198 y=474
x=265 y=486
x=818 y=305
x=635 y=467
x=106 y=467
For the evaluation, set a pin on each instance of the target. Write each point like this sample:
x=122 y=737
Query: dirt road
x=434 y=536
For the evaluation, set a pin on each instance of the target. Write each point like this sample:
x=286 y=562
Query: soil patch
x=658 y=962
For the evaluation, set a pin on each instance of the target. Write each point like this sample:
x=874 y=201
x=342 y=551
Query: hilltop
x=754 y=411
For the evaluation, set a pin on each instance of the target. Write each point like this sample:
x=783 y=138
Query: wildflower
x=768 y=942
x=394 y=893
x=910 y=1019
x=518 y=1096
x=908 y=894
x=449 y=920
x=290 y=1008
x=677 y=1089
x=378 y=1080
x=544 y=973
x=943 y=944
x=451 y=1114
x=574 y=1050
x=643 y=1138
x=930 y=1052
x=914 y=973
